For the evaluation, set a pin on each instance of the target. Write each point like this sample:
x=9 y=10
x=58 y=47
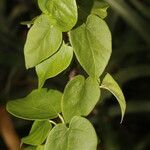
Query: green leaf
x=80 y=97
x=43 y=40
x=42 y=5
x=100 y=8
x=92 y=45
x=30 y=148
x=41 y=147
x=38 y=133
x=39 y=104
x=64 y=11
x=110 y=84
x=55 y=64
x=79 y=136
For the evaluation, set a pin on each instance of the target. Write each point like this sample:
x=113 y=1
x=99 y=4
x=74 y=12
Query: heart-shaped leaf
x=79 y=136
x=64 y=11
x=92 y=45
x=38 y=133
x=55 y=64
x=110 y=84
x=43 y=40
x=39 y=104
x=80 y=97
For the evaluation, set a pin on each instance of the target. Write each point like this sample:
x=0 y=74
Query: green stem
x=61 y=118
x=52 y=122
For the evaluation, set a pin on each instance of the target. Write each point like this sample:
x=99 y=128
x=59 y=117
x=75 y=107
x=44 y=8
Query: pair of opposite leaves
x=79 y=98
x=91 y=43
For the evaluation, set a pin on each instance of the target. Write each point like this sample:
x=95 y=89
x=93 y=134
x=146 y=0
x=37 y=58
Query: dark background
x=129 y=22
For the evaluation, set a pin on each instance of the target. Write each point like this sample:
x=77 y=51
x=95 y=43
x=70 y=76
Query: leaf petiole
x=61 y=118
x=52 y=122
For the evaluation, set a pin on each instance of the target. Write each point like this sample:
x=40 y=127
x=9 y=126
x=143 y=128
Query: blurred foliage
x=129 y=21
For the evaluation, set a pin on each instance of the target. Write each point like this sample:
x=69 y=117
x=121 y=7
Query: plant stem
x=52 y=122
x=61 y=118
